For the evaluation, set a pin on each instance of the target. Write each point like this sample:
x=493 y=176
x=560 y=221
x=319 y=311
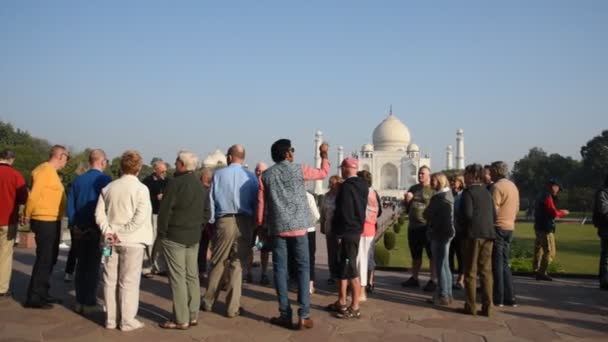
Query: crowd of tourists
x=201 y=226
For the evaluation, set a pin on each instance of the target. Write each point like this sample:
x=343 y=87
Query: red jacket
x=13 y=192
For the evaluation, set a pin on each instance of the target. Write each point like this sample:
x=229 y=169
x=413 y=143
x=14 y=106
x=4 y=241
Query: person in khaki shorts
x=544 y=227
x=13 y=193
x=233 y=198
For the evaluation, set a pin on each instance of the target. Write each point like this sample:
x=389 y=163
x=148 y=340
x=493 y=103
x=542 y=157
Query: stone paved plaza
x=564 y=310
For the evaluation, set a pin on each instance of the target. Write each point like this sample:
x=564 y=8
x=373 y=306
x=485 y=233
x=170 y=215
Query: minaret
x=449 y=158
x=460 y=149
x=318 y=190
x=340 y=159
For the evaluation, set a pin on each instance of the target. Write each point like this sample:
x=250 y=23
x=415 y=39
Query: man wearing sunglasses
x=44 y=210
x=284 y=211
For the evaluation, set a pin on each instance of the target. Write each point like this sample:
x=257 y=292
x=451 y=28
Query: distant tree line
x=579 y=178
x=32 y=151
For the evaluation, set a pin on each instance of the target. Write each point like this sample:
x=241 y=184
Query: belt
x=232 y=215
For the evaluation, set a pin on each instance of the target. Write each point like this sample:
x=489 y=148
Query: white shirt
x=124 y=208
x=314 y=211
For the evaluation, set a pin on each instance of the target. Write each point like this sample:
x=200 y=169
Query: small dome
x=391 y=135
x=319 y=133
x=214 y=159
x=367 y=148
x=413 y=148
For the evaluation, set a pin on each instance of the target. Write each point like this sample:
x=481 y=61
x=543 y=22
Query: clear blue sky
x=168 y=75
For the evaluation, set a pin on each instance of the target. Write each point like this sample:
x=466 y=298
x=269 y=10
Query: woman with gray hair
x=183 y=210
x=123 y=214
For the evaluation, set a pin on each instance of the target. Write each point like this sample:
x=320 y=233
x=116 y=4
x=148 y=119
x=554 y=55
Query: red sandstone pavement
x=564 y=310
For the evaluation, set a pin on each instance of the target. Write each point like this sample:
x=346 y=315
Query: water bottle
x=259 y=245
x=106 y=250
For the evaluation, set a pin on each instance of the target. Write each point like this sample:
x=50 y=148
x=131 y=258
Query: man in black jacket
x=477 y=215
x=600 y=220
x=348 y=221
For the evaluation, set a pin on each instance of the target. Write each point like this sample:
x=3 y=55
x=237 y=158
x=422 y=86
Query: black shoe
x=41 y=306
x=7 y=294
x=412 y=282
x=282 y=322
x=53 y=300
x=544 y=277
x=430 y=286
x=369 y=289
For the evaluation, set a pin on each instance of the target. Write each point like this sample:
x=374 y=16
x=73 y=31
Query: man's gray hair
x=189 y=159
x=500 y=168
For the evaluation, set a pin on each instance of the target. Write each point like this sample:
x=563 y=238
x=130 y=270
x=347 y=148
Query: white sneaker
x=68 y=278
x=111 y=325
x=64 y=245
x=133 y=325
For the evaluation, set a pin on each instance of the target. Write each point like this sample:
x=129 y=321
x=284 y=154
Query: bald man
x=82 y=201
x=233 y=203
x=154 y=259
x=44 y=210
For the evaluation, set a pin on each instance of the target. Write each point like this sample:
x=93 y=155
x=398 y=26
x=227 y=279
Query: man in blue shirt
x=233 y=198
x=82 y=201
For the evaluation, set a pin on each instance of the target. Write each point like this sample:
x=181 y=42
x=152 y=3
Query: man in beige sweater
x=506 y=201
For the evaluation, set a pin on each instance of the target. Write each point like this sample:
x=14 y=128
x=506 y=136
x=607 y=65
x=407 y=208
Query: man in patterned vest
x=283 y=209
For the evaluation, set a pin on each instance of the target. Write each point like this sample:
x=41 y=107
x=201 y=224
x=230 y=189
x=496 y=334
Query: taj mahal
x=393 y=159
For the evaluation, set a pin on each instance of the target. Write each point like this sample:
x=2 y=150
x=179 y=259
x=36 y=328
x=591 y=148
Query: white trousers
x=121 y=277
x=365 y=244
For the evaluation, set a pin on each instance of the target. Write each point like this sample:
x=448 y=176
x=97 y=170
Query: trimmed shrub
x=397 y=228
x=389 y=240
x=382 y=256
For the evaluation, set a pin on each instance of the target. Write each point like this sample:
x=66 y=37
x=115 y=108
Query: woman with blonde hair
x=440 y=217
x=457 y=184
x=123 y=214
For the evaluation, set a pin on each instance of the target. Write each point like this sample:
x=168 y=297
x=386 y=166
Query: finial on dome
x=390 y=111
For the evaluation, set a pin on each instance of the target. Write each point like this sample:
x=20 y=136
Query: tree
x=595 y=159
x=532 y=171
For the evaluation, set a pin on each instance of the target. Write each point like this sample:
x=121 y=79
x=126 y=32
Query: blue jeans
x=441 y=250
x=604 y=261
x=503 y=280
x=296 y=248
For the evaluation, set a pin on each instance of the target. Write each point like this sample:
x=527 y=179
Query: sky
x=161 y=76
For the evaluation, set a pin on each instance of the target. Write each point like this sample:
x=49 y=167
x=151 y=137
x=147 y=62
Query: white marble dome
x=367 y=148
x=391 y=135
x=217 y=158
x=413 y=148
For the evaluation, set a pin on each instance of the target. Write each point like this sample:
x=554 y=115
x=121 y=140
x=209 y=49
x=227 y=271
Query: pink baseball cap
x=350 y=162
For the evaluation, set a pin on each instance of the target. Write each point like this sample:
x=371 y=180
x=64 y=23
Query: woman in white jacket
x=312 y=237
x=124 y=215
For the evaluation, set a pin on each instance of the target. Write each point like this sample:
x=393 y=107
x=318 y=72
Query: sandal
x=336 y=307
x=349 y=313
x=173 y=325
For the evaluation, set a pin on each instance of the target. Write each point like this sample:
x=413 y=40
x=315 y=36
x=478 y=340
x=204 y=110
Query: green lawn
x=578 y=249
